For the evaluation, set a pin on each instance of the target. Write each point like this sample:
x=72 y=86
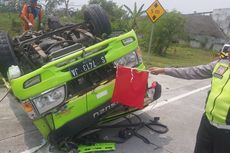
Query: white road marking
x=35 y=149
x=32 y=150
x=162 y=103
x=148 y=108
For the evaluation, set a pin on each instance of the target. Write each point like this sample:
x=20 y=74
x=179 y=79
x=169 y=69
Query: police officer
x=214 y=132
x=29 y=13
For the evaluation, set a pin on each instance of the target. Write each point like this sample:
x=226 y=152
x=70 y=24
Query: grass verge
x=179 y=57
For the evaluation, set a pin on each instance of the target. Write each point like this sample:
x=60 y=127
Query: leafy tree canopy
x=167 y=29
x=134 y=14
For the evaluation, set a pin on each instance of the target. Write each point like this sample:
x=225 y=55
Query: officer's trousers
x=211 y=139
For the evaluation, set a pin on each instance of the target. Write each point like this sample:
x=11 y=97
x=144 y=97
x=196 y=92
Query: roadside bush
x=168 y=29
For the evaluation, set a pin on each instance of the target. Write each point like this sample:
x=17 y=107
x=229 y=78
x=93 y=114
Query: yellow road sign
x=155 y=11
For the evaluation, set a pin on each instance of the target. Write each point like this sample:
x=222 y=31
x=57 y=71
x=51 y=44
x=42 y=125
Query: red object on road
x=130 y=87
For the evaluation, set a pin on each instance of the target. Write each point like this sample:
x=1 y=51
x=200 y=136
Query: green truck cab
x=63 y=91
x=64 y=78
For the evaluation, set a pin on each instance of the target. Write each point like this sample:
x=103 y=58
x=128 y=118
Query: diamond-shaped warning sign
x=155 y=11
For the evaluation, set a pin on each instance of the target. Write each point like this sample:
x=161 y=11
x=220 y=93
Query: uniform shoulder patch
x=220 y=71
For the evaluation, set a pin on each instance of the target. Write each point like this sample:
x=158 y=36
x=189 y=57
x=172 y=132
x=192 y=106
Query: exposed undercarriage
x=35 y=49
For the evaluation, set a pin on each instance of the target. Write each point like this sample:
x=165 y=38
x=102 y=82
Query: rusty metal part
x=48 y=34
x=40 y=51
x=86 y=33
x=58 y=38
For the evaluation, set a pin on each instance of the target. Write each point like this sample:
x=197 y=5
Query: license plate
x=87 y=65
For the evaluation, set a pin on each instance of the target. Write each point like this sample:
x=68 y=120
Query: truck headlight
x=129 y=60
x=49 y=99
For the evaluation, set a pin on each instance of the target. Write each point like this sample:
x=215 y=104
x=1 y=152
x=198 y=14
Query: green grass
x=11 y=22
x=6 y=21
x=179 y=57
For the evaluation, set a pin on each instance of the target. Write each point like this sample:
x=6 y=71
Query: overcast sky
x=184 y=6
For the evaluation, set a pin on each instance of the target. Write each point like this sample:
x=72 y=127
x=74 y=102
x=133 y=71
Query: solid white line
x=32 y=150
x=162 y=103
x=35 y=149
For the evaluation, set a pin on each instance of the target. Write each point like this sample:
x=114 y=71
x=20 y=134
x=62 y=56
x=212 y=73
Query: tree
x=168 y=29
x=51 y=5
x=66 y=2
x=135 y=14
x=9 y=6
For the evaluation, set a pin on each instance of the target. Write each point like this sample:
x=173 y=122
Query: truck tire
x=7 y=56
x=99 y=22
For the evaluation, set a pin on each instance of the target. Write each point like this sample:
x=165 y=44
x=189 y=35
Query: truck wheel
x=7 y=56
x=99 y=22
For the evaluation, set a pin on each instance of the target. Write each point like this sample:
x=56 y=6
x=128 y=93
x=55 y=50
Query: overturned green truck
x=64 y=78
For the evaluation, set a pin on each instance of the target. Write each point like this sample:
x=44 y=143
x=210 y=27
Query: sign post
x=154 y=12
x=150 y=41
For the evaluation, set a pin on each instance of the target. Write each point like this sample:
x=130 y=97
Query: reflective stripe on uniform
x=220 y=126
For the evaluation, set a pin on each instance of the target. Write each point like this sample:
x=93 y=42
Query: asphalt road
x=180 y=108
